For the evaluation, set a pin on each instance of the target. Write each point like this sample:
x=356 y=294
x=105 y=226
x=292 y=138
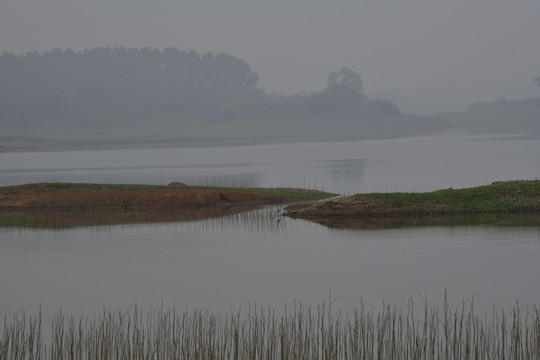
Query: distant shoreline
x=34 y=144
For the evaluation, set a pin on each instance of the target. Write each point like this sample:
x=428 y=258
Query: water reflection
x=99 y=217
x=265 y=220
x=402 y=221
x=260 y=256
x=256 y=219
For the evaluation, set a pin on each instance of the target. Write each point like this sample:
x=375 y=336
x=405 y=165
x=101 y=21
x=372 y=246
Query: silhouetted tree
x=346 y=78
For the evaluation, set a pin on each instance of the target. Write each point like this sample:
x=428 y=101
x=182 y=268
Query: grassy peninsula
x=519 y=196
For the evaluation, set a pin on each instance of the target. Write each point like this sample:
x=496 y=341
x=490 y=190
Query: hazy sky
x=428 y=50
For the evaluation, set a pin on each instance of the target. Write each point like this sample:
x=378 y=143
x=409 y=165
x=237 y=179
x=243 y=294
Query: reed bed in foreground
x=302 y=332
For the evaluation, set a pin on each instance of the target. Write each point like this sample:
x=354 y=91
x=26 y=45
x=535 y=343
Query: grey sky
x=429 y=50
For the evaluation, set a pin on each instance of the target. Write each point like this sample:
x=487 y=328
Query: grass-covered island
x=79 y=204
x=504 y=197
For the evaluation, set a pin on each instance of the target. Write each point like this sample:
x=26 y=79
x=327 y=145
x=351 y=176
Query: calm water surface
x=262 y=257
x=419 y=164
x=256 y=258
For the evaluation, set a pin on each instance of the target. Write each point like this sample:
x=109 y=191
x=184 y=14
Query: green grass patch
x=511 y=196
x=289 y=210
x=16 y=221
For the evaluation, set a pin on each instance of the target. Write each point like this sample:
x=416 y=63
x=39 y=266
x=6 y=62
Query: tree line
x=103 y=86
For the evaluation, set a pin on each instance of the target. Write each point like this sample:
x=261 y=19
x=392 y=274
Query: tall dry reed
x=302 y=332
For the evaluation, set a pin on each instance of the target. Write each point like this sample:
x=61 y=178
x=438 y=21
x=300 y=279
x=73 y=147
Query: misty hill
x=500 y=116
x=523 y=107
x=133 y=93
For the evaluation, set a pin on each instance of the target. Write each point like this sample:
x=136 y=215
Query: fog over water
x=453 y=52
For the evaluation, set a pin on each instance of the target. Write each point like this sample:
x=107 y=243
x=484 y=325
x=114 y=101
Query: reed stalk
x=302 y=332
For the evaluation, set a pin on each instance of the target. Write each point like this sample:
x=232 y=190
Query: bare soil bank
x=42 y=197
x=60 y=205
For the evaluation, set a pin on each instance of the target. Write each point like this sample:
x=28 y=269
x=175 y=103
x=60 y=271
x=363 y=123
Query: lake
x=261 y=257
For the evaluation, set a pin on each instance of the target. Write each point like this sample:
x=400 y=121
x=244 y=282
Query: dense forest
x=104 y=87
